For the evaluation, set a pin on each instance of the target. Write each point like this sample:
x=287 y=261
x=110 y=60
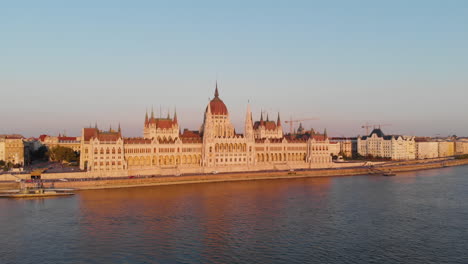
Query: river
x=416 y=217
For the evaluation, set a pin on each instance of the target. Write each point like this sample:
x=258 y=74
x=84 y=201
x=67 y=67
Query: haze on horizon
x=66 y=65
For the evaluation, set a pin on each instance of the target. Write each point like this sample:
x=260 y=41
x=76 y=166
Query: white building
x=396 y=147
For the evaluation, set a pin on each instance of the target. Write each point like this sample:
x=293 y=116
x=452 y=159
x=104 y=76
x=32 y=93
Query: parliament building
x=216 y=147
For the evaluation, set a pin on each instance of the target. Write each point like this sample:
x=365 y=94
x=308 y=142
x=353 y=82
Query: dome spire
x=216 y=90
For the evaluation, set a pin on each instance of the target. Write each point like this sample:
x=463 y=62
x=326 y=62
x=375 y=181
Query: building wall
x=461 y=147
x=446 y=148
x=2 y=149
x=427 y=150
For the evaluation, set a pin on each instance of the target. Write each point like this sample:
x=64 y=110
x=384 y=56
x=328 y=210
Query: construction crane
x=291 y=122
x=367 y=126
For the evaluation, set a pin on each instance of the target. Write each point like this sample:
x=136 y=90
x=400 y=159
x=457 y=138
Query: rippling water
x=419 y=217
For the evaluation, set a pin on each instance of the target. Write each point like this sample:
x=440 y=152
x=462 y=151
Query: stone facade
x=461 y=147
x=426 y=149
x=395 y=147
x=12 y=149
x=216 y=147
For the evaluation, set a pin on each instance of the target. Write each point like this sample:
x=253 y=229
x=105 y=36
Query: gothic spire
x=261 y=118
x=152 y=112
x=146 y=117
x=278 y=121
x=175 y=115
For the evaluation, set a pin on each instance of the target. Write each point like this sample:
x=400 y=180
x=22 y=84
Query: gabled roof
x=269 y=125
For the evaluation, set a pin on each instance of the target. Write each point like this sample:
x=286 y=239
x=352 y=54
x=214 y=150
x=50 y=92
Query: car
x=214 y=172
x=64 y=180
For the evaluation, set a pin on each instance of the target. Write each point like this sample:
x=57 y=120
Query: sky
x=65 y=65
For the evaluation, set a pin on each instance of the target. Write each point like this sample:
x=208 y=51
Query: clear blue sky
x=66 y=64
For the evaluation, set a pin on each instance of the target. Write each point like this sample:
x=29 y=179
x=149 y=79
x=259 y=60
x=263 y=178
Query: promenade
x=138 y=181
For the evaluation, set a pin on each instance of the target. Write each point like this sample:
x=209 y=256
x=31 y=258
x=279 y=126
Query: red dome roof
x=217 y=105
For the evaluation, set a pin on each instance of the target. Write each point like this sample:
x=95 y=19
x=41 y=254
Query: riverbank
x=223 y=177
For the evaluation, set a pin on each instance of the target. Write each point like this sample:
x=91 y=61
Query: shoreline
x=249 y=176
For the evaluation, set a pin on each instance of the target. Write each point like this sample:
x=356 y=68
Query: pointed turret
x=110 y=128
x=120 y=130
x=278 y=121
x=325 y=133
x=268 y=119
x=146 y=117
x=175 y=116
x=248 y=123
x=152 y=113
x=95 y=125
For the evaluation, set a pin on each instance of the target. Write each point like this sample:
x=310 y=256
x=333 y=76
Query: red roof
x=42 y=137
x=164 y=123
x=108 y=136
x=89 y=133
x=318 y=137
x=218 y=107
x=191 y=136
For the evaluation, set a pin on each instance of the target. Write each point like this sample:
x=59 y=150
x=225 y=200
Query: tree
x=61 y=154
x=40 y=153
x=2 y=163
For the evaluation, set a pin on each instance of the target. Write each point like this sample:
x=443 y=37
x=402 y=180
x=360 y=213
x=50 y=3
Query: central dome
x=217 y=105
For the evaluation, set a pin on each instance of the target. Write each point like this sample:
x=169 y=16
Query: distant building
x=395 y=147
x=60 y=140
x=426 y=148
x=345 y=146
x=446 y=148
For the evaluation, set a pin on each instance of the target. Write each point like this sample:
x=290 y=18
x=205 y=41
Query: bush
x=465 y=156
